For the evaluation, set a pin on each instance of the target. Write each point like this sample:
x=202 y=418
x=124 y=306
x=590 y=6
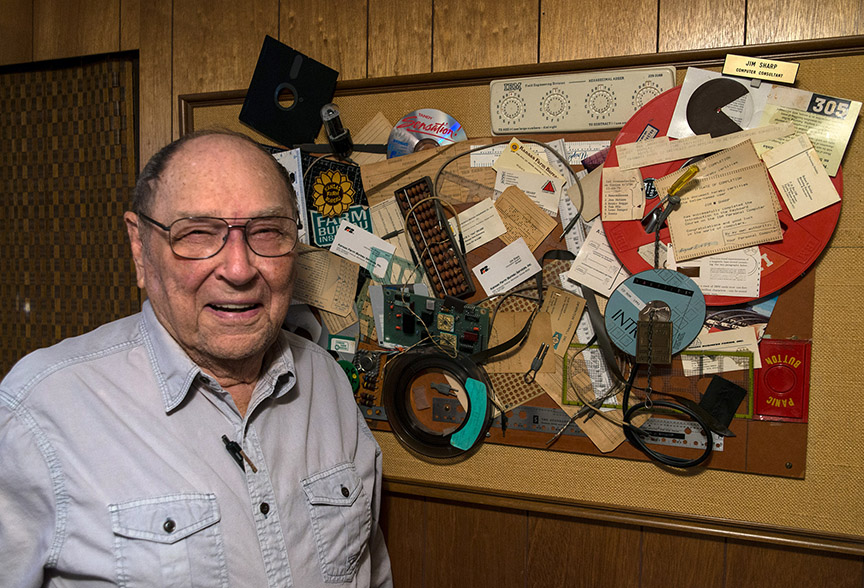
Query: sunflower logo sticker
x=332 y=193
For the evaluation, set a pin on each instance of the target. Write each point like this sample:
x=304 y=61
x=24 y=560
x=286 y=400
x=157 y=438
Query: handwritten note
x=726 y=212
x=623 y=194
x=523 y=219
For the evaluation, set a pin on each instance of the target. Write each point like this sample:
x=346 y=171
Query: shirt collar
x=175 y=372
x=278 y=366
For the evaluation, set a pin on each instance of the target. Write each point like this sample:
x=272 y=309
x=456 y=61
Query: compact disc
x=426 y=128
x=679 y=292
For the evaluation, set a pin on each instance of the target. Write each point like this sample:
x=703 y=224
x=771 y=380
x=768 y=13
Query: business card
x=545 y=191
x=364 y=248
x=510 y=266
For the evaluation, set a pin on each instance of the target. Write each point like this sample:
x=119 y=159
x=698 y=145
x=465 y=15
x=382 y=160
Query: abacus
x=430 y=233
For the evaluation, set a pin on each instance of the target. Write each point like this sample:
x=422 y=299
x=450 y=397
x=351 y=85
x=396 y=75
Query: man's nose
x=237 y=258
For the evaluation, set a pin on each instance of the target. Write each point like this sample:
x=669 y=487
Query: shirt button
x=169 y=525
x=345 y=492
x=264 y=508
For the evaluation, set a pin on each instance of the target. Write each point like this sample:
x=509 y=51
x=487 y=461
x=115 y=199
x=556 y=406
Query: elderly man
x=197 y=443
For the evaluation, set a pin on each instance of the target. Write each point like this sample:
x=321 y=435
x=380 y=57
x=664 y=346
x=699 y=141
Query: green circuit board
x=410 y=318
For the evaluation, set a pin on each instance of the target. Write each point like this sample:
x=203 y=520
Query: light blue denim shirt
x=113 y=470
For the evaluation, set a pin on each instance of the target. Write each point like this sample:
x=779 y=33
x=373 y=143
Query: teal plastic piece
x=467 y=435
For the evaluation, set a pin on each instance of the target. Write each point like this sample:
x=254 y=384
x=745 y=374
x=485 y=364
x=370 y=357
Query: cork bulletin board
x=826 y=453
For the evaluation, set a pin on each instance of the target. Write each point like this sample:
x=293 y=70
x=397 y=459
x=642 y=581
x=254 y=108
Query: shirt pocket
x=168 y=541
x=341 y=516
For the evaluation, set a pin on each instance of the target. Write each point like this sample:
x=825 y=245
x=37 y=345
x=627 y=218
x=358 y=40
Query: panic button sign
x=783 y=382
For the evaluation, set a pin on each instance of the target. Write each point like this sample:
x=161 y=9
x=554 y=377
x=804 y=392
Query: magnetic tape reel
x=782 y=261
x=415 y=380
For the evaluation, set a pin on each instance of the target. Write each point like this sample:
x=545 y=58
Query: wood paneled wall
x=379 y=38
x=16 y=31
x=402 y=46
x=69 y=28
x=191 y=46
x=440 y=543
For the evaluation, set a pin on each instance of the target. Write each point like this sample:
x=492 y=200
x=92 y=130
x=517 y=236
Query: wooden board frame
x=773 y=505
x=192 y=104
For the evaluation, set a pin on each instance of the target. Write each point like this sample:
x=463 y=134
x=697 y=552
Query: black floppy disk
x=281 y=69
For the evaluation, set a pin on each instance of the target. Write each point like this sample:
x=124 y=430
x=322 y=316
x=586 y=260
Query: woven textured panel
x=827 y=500
x=511 y=389
x=67 y=168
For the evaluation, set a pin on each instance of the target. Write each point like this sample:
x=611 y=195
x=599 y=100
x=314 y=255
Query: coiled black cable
x=636 y=441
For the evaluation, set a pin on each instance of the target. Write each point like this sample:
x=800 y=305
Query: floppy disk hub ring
x=295 y=97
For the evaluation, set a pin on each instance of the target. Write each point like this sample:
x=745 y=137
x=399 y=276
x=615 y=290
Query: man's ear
x=131 y=220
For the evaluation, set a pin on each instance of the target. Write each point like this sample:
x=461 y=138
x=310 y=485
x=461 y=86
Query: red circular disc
x=782 y=261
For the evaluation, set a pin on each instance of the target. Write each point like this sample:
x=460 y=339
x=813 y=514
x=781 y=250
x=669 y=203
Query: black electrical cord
x=558 y=156
x=656 y=223
x=636 y=441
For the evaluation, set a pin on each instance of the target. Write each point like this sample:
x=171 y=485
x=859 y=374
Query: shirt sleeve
x=28 y=520
x=382 y=576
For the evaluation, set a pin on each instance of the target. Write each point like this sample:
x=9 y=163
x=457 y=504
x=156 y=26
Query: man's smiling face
x=230 y=307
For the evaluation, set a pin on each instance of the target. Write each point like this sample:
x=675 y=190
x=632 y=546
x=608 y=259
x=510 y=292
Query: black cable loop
x=561 y=158
x=636 y=441
x=649 y=405
x=629 y=428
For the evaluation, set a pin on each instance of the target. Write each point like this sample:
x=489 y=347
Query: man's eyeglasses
x=202 y=237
